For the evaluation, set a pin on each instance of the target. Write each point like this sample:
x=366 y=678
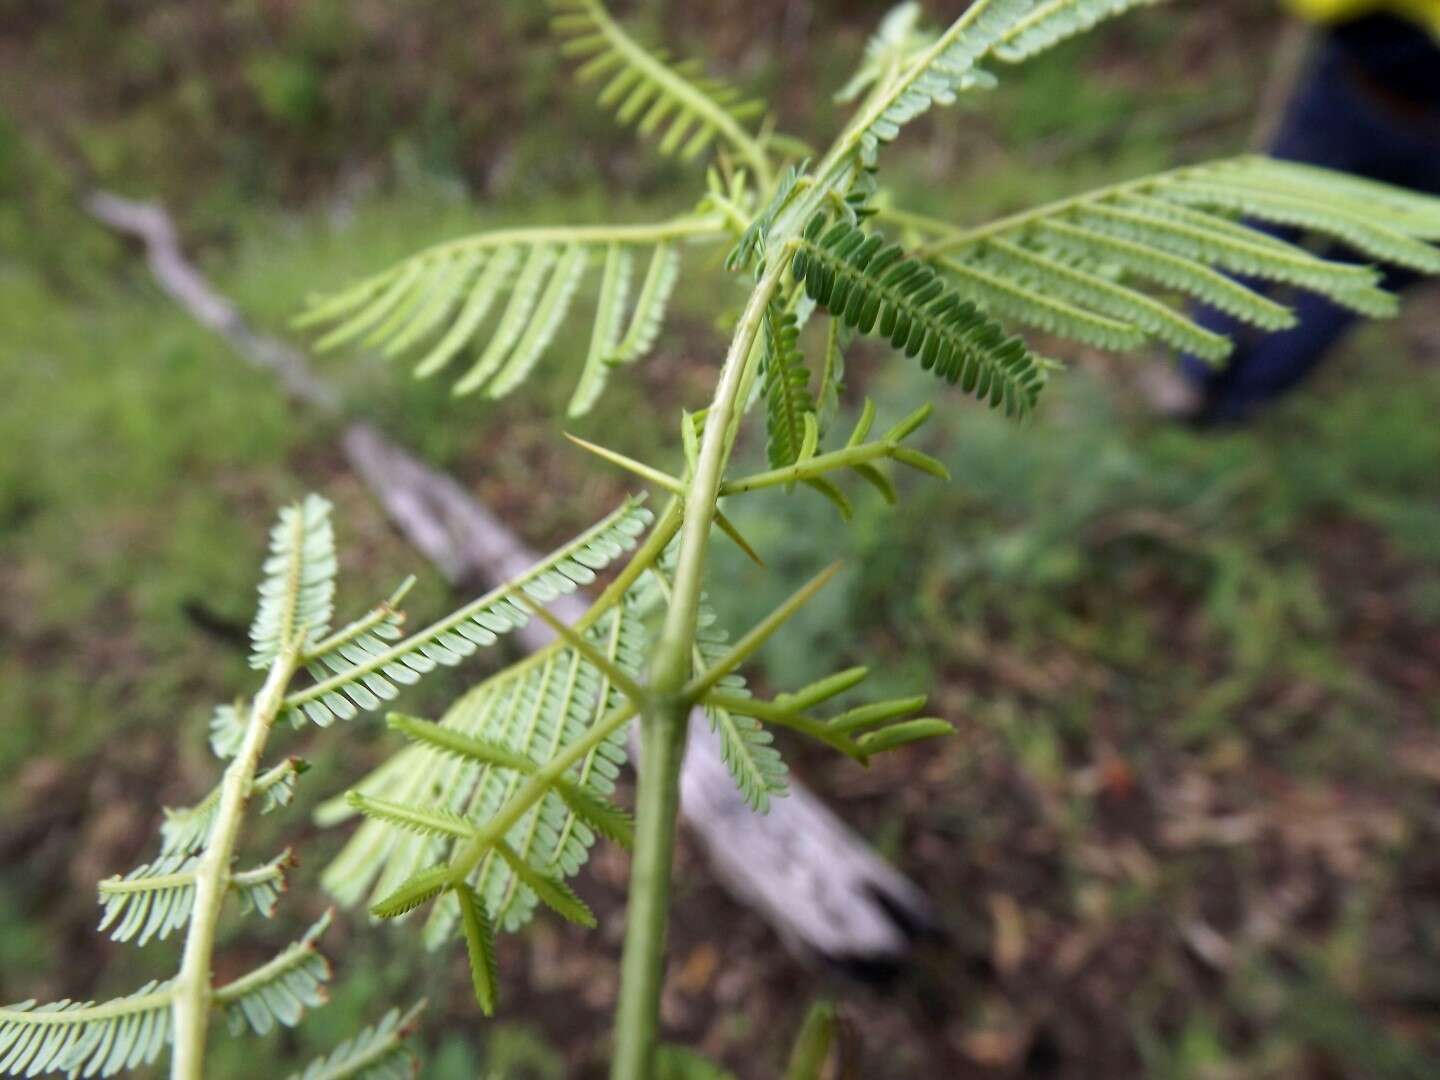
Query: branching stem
x=756 y=636
x=950 y=238
x=193 y=990
x=663 y=724
x=811 y=468
x=774 y=714
x=536 y=786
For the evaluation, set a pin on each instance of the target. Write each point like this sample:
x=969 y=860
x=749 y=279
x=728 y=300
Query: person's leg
x=1330 y=122
x=1264 y=366
x=1323 y=125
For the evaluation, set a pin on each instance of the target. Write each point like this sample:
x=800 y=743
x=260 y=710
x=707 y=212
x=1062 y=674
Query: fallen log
x=826 y=893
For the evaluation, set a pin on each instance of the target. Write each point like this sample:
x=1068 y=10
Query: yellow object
x=1425 y=12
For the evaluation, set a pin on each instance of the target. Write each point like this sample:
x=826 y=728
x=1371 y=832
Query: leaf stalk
x=193 y=988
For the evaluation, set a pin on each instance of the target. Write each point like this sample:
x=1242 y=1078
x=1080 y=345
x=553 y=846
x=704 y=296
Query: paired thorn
x=669 y=483
x=620 y=679
x=748 y=645
x=729 y=529
x=639 y=468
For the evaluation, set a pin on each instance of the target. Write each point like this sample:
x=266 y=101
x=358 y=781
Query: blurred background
x=1191 y=825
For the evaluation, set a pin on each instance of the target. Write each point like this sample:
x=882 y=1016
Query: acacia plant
x=311 y=673
x=491 y=808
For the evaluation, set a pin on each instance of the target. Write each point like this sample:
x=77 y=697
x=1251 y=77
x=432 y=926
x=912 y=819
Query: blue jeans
x=1332 y=121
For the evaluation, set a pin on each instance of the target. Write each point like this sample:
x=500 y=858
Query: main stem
x=663 y=722
x=193 y=986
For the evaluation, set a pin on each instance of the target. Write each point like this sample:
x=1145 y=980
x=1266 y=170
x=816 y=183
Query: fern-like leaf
x=155 y=899
x=786 y=388
x=936 y=69
x=858 y=733
x=417 y=891
x=1053 y=21
x=524 y=296
x=648 y=314
x=480 y=945
x=1409 y=212
x=466 y=766
x=279 y=991
x=383 y=622
x=874 y=287
x=938 y=74
x=1087 y=268
x=227 y=730
x=363 y=671
x=605 y=336
x=601 y=815
x=684 y=109
x=1244 y=189
x=897 y=41
x=750 y=247
x=259 y=889
x=471 y=304
x=466 y=747
x=1011 y=296
x=540 y=326
x=755 y=765
x=85 y=1038
x=1171 y=272
x=421 y=820
x=607 y=819
x=378 y=1052
x=449 y=292
x=188 y=829
x=553 y=891
x=1057 y=274
x=746 y=747
x=299 y=586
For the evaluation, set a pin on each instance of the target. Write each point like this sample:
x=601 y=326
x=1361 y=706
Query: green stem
x=773 y=714
x=757 y=635
x=672 y=652
x=690 y=227
x=361 y=626
x=377 y=661
x=535 y=788
x=951 y=238
x=106 y=1010
x=664 y=719
x=811 y=468
x=663 y=723
x=193 y=988
x=662 y=736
